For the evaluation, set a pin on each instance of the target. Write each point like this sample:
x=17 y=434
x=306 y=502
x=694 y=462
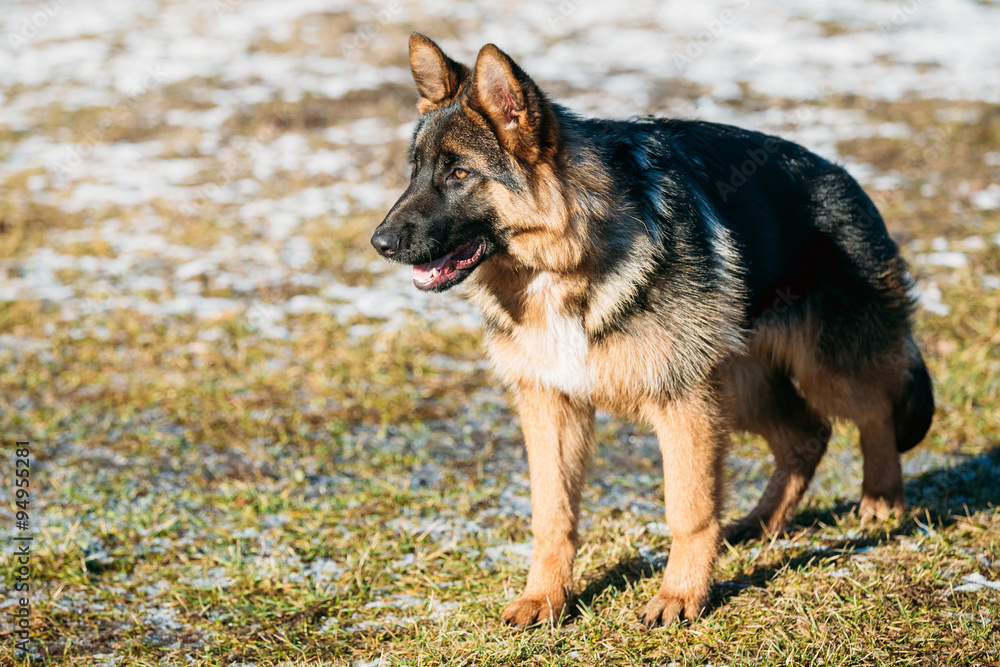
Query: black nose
x=386 y=243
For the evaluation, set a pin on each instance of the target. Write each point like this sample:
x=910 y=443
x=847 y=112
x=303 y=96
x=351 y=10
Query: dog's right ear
x=437 y=76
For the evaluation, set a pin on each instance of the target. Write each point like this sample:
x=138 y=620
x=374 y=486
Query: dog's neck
x=548 y=265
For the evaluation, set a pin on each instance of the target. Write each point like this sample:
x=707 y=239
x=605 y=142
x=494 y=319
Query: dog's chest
x=549 y=344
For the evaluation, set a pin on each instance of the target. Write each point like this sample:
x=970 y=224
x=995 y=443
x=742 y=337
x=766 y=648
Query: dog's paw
x=745 y=530
x=528 y=610
x=666 y=608
x=880 y=508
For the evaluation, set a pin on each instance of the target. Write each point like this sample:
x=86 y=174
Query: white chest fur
x=549 y=347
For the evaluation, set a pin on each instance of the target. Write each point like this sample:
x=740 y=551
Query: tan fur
x=764 y=401
x=882 y=486
x=625 y=374
x=861 y=396
x=692 y=440
x=543 y=235
x=498 y=92
x=427 y=63
x=559 y=437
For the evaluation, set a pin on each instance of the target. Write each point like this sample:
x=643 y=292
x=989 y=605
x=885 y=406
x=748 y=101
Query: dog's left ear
x=437 y=76
x=515 y=106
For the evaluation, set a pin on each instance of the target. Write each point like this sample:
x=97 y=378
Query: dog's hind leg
x=559 y=437
x=882 y=487
x=895 y=423
x=767 y=403
x=893 y=426
x=866 y=399
x=693 y=438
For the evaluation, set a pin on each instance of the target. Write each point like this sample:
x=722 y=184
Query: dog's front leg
x=692 y=438
x=559 y=437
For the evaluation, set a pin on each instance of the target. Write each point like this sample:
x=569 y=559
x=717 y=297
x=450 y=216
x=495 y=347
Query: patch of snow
x=974 y=243
x=929 y=298
x=954 y=260
x=163 y=618
x=656 y=528
x=512 y=553
x=976 y=582
x=213 y=579
x=987 y=199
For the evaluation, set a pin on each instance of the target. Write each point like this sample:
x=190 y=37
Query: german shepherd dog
x=696 y=277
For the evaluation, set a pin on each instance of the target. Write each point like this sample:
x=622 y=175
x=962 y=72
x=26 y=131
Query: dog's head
x=478 y=155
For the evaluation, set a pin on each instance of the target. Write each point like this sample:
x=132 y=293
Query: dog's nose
x=386 y=243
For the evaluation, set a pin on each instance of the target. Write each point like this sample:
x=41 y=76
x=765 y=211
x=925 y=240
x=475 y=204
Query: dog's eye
x=460 y=173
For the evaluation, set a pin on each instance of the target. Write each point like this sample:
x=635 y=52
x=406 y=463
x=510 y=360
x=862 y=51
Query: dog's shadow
x=944 y=494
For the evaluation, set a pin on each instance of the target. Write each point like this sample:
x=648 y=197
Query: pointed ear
x=437 y=76
x=515 y=106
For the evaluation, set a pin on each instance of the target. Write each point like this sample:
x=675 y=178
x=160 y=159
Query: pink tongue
x=426 y=273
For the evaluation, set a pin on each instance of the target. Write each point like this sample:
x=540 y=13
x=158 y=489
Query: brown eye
x=460 y=174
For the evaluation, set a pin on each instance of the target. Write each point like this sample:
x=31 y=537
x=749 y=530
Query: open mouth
x=446 y=271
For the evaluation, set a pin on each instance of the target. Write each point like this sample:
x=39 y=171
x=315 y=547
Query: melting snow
x=610 y=60
x=976 y=582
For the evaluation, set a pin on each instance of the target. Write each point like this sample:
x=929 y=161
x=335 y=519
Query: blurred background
x=251 y=434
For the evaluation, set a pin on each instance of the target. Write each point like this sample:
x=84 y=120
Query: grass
x=208 y=492
x=264 y=502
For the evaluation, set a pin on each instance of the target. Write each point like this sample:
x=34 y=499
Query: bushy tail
x=914 y=409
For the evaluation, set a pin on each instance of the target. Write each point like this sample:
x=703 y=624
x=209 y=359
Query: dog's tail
x=913 y=409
